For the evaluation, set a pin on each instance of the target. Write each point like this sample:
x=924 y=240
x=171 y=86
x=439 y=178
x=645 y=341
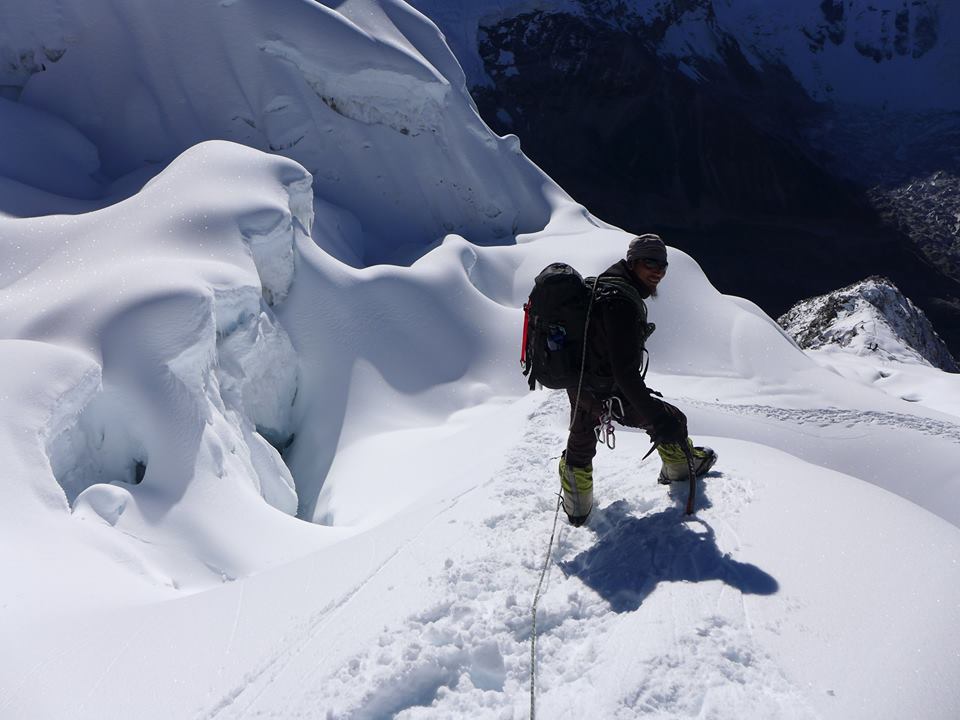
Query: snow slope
x=246 y=477
x=364 y=94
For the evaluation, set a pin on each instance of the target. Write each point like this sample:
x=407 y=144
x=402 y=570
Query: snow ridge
x=827 y=417
x=868 y=317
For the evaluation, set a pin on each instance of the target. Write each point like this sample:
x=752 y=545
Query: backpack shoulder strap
x=614 y=287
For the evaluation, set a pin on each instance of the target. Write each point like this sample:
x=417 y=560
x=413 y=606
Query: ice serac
x=365 y=95
x=171 y=429
x=868 y=317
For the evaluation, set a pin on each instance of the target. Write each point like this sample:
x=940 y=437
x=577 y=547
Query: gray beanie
x=647 y=246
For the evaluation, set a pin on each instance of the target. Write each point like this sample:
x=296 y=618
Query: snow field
x=912 y=382
x=655 y=617
x=643 y=615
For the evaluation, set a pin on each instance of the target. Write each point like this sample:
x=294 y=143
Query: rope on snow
x=533 y=613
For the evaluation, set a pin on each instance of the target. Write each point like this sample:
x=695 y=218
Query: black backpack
x=555 y=324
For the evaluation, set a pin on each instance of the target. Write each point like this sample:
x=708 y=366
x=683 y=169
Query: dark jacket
x=616 y=343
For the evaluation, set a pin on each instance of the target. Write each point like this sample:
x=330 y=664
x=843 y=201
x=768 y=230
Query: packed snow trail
x=465 y=651
x=839 y=417
x=910 y=454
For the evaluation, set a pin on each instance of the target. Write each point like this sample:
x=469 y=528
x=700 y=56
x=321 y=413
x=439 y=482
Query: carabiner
x=605 y=430
x=611 y=440
x=600 y=431
x=609 y=403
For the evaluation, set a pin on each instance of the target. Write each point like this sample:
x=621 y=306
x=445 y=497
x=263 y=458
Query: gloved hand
x=669 y=425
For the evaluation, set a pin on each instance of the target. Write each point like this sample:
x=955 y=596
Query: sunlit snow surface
x=166 y=338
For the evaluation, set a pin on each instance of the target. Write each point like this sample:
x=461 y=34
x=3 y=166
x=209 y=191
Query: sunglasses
x=652 y=264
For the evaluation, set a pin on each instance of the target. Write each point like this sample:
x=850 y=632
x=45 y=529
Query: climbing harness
x=533 y=615
x=605 y=431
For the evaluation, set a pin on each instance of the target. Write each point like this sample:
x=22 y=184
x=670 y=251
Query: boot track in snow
x=465 y=652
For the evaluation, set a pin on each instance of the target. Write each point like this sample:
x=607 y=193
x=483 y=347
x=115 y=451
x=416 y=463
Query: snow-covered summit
x=871 y=316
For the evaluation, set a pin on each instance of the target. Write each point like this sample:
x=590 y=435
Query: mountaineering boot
x=577 y=486
x=675 y=462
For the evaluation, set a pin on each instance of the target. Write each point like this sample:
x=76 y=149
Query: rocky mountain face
x=927 y=210
x=895 y=37
x=868 y=317
x=745 y=139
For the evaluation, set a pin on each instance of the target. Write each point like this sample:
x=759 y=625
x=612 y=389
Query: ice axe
x=691 y=498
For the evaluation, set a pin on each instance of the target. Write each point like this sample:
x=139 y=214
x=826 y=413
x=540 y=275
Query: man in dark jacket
x=618 y=332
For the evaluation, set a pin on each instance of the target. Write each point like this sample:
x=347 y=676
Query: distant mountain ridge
x=831 y=47
x=868 y=317
x=761 y=137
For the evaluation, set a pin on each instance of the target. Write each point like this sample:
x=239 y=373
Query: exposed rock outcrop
x=868 y=317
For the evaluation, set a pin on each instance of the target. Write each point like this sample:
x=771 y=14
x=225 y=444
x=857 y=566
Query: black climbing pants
x=582 y=441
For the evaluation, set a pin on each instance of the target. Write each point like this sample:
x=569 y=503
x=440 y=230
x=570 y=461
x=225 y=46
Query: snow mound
x=868 y=317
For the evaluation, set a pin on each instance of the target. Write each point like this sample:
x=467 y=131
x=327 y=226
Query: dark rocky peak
x=879 y=33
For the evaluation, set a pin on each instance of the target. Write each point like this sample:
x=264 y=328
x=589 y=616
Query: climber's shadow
x=633 y=554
